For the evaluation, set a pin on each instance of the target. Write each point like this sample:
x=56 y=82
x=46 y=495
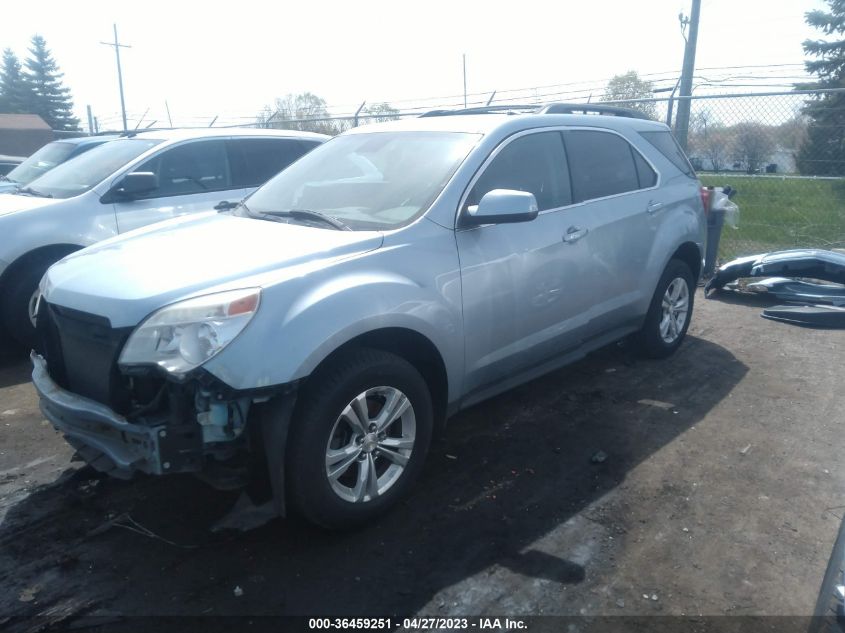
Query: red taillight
x=705 y=199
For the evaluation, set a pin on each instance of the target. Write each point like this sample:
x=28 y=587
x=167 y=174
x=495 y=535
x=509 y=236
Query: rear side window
x=666 y=144
x=601 y=164
x=535 y=163
x=255 y=160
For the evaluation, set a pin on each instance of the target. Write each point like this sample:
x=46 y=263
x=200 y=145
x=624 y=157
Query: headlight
x=184 y=335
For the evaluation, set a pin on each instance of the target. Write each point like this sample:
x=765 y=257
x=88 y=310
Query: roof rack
x=482 y=110
x=592 y=108
x=549 y=108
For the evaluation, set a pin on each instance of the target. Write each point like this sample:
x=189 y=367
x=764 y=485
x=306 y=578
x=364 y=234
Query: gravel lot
x=720 y=493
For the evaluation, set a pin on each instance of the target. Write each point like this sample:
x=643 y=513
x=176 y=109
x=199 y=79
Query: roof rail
x=483 y=110
x=539 y=108
x=591 y=108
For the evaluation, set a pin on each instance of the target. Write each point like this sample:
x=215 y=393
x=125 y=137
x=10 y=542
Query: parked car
x=393 y=276
x=122 y=185
x=48 y=157
x=8 y=163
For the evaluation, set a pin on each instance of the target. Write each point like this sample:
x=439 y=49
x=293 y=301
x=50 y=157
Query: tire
x=361 y=383
x=15 y=303
x=659 y=336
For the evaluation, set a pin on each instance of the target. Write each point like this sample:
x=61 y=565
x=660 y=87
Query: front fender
x=301 y=322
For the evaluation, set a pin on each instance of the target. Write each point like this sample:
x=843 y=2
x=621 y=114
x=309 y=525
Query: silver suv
x=394 y=275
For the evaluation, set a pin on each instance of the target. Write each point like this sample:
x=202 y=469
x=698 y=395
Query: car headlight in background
x=184 y=335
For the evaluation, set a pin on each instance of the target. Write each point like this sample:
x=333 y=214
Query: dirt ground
x=721 y=493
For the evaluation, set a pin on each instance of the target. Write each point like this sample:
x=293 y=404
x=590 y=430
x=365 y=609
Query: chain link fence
x=766 y=147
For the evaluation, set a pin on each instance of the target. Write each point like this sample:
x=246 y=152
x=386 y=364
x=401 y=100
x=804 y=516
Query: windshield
x=79 y=175
x=368 y=181
x=40 y=162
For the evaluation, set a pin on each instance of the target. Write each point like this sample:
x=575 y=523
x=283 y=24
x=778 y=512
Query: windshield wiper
x=32 y=192
x=307 y=214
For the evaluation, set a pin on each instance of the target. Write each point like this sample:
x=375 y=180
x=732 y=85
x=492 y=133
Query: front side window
x=84 y=172
x=377 y=180
x=535 y=163
x=601 y=164
x=190 y=168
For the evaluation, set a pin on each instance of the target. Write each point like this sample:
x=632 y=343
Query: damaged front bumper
x=110 y=442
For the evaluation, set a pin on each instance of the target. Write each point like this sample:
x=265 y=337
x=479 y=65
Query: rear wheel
x=361 y=433
x=669 y=314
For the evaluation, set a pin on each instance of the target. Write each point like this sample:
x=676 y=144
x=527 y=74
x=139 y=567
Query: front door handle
x=225 y=205
x=573 y=234
x=654 y=207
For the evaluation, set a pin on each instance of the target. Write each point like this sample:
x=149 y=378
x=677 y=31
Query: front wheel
x=359 y=438
x=19 y=302
x=670 y=312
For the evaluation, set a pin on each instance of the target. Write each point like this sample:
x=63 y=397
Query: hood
x=126 y=278
x=12 y=203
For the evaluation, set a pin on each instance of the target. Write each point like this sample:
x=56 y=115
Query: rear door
x=614 y=194
x=192 y=176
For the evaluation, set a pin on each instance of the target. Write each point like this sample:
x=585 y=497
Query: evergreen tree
x=52 y=99
x=16 y=95
x=823 y=152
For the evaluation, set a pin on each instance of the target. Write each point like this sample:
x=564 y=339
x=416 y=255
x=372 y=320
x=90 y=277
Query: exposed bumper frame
x=93 y=428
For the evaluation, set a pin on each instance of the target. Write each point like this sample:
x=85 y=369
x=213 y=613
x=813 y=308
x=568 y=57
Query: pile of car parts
x=793 y=276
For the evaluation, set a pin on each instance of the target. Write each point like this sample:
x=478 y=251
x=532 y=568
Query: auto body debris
x=794 y=290
x=781 y=267
x=128 y=523
x=804 y=263
x=808 y=315
x=245 y=515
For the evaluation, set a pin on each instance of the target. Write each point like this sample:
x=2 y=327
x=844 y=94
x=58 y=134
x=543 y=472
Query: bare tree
x=629 y=86
x=381 y=112
x=753 y=145
x=715 y=146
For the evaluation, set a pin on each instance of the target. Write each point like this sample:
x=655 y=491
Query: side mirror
x=136 y=184
x=502 y=206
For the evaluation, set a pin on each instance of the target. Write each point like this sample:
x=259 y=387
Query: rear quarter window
x=665 y=143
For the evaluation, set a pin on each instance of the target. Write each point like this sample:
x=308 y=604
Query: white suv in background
x=123 y=185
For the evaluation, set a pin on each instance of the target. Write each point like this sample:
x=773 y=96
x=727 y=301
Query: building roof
x=22 y=122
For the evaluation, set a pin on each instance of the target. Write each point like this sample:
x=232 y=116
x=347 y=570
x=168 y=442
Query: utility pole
x=90 y=120
x=465 y=81
x=682 y=125
x=117 y=46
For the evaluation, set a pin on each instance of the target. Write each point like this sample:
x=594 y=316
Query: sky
x=228 y=60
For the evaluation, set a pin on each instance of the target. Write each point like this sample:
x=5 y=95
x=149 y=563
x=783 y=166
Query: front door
x=522 y=284
x=193 y=176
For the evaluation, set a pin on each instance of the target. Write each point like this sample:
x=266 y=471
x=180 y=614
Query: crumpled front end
x=140 y=421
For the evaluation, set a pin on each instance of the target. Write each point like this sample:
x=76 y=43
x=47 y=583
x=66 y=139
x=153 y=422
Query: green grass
x=778 y=212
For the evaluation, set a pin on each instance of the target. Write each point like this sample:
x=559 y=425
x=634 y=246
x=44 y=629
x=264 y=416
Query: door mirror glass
x=137 y=183
x=501 y=206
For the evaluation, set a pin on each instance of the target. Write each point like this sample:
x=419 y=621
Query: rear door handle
x=654 y=207
x=573 y=234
